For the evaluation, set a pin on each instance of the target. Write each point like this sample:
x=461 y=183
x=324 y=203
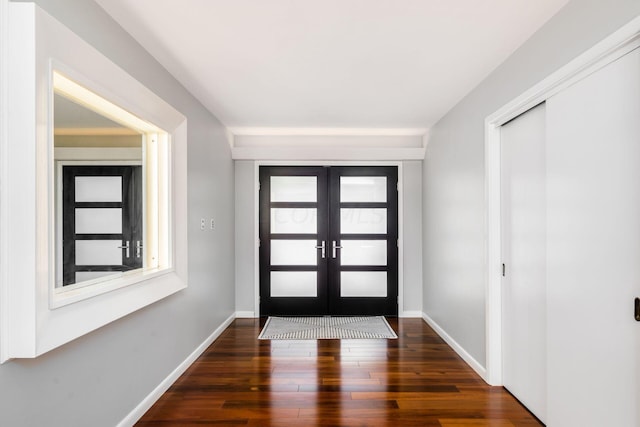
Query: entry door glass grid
x=363 y=236
x=294 y=233
x=97 y=221
x=328 y=240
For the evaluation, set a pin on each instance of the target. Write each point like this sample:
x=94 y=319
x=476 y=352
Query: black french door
x=328 y=240
x=101 y=221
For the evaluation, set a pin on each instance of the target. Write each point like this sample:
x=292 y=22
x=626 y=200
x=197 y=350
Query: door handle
x=138 y=248
x=323 y=253
x=637 y=309
x=126 y=248
x=334 y=249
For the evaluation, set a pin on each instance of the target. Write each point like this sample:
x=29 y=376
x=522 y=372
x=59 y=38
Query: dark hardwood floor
x=416 y=380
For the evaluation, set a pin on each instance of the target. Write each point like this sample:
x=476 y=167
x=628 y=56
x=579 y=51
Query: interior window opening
x=111 y=190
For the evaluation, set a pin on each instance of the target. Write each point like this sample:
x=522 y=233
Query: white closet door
x=593 y=194
x=524 y=254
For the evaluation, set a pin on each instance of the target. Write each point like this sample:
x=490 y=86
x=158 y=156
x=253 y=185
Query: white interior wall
x=324 y=145
x=453 y=175
x=246 y=208
x=100 y=378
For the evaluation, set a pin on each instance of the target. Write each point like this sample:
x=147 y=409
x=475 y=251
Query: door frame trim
x=613 y=47
x=4 y=137
x=256 y=219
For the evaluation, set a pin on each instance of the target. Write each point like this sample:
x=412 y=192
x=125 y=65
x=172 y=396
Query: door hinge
x=504 y=270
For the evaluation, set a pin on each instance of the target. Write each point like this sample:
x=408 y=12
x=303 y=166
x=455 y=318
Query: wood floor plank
x=416 y=380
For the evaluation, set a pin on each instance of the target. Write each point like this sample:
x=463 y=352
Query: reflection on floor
x=416 y=380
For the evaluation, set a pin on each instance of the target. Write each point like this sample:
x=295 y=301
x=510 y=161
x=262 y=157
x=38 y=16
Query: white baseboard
x=411 y=314
x=153 y=397
x=245 y=315
x=473 y=363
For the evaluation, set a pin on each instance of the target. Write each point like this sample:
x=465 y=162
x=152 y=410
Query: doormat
x=326 y=328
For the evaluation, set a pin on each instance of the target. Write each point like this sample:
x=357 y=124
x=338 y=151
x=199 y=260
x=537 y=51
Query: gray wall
x=98 y=379
x=245 y=176
x=245 y=235
x=454 y=223
x=412 y=235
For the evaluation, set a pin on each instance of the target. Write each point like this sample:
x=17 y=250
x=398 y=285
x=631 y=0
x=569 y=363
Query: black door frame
x=389 y=305
x=352 y=305
x=131 y=214
x=281 y=305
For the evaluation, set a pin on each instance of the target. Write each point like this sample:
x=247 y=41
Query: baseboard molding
x=473 y=363
x=153 y=397
x=245 y=315
x=411 y=314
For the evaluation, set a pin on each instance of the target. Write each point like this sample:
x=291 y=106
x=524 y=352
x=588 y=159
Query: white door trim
x=256 y=219
x=4 y=105
x=608 y=50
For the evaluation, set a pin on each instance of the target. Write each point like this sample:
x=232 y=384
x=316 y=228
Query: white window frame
x=32 y=322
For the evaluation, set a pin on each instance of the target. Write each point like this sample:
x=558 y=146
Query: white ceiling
x=330 y=63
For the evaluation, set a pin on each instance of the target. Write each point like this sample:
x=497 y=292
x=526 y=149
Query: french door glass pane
x=98 y=252
x=363 y=252
x=99 y=221
x=363 y=189
x=363 y=221
x=293 y=252
x=294 y=284
x=294 y=220
x=363 y=284
x=98 y=189
x=294 y=189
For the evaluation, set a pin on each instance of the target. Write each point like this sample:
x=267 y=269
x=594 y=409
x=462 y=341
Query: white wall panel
x=593 y=163
x=524 y=287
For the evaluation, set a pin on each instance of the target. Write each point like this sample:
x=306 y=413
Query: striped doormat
x=317 y=328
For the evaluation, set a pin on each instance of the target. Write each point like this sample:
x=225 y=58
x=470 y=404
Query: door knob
x=324 y=249
x=334 y=249
x=126 y=248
